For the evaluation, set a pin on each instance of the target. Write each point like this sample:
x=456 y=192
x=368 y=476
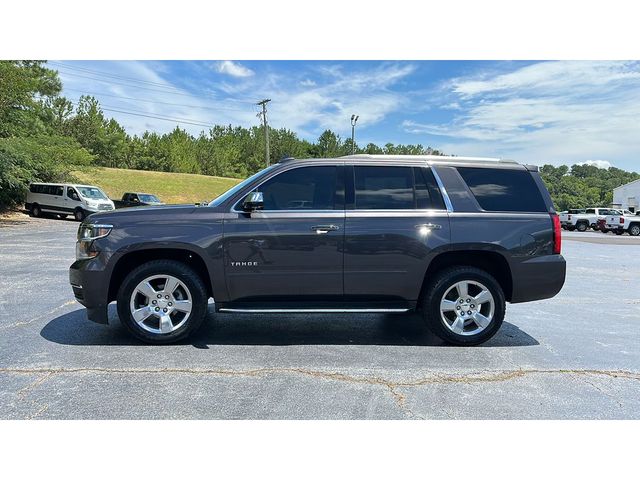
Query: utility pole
x=354 y=120
x=263 y=103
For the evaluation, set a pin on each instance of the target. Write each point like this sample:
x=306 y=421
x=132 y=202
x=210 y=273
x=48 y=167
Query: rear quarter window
x=503 y=190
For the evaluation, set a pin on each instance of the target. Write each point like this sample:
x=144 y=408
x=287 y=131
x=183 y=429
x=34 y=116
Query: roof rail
x=436 y=158
x=285 y=159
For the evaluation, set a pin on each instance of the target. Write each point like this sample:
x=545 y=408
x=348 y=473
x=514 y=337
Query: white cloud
x=598 y=163
x=234 y=69
x=308 y=83
x=549 y=112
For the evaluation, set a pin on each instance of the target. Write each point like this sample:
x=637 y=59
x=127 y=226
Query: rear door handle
x=320 y=229
x=429 y=226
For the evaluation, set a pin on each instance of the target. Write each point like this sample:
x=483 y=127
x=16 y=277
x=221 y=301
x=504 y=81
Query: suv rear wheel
x=582 y=226
x=162 y=301
x=464 y=305
x=634 y=230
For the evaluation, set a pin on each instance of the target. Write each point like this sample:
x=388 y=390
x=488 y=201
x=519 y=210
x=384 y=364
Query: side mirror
x=252 y=202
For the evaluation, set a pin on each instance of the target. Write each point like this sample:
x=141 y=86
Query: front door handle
x=320 y=229
x=429 y=226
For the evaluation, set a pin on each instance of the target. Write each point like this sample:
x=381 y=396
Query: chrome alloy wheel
x=467 y=307
x=161 y=304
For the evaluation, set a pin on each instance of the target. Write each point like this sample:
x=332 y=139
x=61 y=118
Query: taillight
x=568 y=217
x=557 y=235
x=621 y=220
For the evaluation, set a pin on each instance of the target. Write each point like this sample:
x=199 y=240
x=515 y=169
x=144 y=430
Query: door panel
x=395 y=223
x=293 y=250
x=387 y=252
x=284 y=255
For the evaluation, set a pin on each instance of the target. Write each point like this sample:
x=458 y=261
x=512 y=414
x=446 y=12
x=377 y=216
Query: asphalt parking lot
x=573 y=356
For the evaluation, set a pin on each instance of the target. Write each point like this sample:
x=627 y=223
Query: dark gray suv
x=451 y=237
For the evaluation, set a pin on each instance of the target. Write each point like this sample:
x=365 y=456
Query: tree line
x=44 y=136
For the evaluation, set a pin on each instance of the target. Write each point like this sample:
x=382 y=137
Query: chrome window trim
x=413 y=212
x=443 y=190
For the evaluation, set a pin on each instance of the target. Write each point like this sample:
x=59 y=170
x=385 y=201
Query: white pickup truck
x=582 y=219
x=627 y=222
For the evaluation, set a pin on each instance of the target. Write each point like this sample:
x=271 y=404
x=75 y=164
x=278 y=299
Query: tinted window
x=502 y=190
x=427 y=192
x=591 y=210
x=305 y=188
x=384 y=188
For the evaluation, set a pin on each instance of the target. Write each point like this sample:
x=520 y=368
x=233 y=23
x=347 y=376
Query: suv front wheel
x=464 y=305
x=162 y=301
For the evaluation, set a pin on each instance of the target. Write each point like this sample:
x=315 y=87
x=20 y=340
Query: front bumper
x=89 y=281
x=538 y=278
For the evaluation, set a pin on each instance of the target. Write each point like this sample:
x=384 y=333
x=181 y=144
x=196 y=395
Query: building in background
x=627 y=196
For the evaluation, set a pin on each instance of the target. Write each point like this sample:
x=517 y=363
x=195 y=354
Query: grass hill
x=170 y=187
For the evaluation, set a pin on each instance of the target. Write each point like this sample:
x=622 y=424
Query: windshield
x=146 y=198
x=92 y=193
x=233 y=190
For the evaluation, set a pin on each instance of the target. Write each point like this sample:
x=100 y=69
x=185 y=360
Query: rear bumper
x=90 y=284
x=538 y=278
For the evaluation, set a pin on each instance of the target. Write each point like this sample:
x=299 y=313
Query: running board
x=314 y=310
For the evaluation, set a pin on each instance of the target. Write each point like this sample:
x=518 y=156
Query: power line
x=164 y=88
x=189 y=122
x=112 y=75
x=155 y=101
x=138 y=113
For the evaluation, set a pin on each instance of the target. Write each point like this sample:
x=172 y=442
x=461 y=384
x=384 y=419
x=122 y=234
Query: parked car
x=602 y=222
x=137 y=199
x=66 y=199
x=628 y=222
x=363 y=233
x=565 y=216
x=582 y=221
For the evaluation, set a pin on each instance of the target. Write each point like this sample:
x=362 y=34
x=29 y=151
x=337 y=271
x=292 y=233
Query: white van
x=65 y=199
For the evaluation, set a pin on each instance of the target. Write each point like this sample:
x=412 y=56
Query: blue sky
x=559 y=112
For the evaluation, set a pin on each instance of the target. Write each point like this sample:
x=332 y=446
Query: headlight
x=88 y=232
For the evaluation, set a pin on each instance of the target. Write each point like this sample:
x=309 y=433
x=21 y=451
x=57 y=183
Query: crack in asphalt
x=391 y=386
x=24 y=392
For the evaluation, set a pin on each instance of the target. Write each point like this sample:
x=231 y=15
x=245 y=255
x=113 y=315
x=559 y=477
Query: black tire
x=634 y=230
x=571 y=228
x=582 y=227
x=79 y=214
x=437 y=288
x=619 y=232
x=186 y=275
x=36 y=211
x=61 y=216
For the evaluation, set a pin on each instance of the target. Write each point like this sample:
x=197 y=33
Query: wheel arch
x=490 y=261
x=133 y=259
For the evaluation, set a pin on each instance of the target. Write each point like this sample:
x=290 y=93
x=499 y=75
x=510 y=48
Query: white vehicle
x=565 y=216
x=587 y=218
x=66 y=199
x=628 y=222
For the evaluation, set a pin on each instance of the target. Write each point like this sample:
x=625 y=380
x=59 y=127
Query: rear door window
x=503 y=190
x=384 y=188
